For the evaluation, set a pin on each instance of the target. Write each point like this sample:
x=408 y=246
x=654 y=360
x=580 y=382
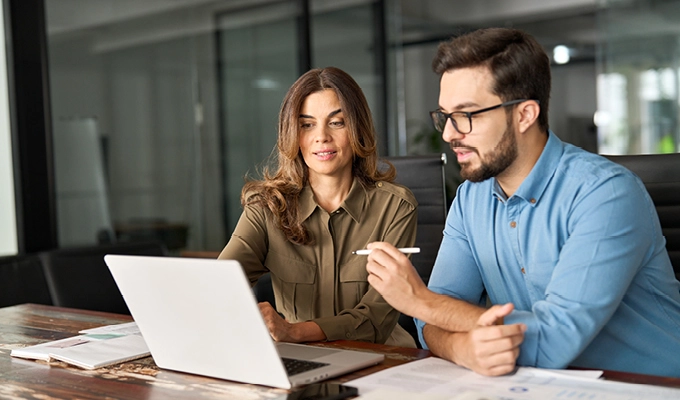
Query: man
x=566 y=244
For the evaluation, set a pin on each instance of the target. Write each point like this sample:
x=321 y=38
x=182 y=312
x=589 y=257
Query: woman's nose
x=321 y=134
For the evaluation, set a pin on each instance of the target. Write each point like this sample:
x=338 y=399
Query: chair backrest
x=22 y=281
x=79 y=278
x=661 y=175
x=424 y=175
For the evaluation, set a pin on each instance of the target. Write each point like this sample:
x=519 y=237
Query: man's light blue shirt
x=578 y=250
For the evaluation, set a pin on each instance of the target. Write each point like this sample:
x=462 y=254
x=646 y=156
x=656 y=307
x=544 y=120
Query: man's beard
x=494 y=162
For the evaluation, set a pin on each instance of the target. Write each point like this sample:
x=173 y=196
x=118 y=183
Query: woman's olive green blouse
x=324 y=282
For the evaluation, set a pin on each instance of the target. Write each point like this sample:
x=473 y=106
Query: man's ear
x=528 y=114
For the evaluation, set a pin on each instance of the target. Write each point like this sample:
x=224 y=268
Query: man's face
x=491 y=146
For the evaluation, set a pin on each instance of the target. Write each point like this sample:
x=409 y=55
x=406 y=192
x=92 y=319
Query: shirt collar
x=353 y=204
x=533 y=186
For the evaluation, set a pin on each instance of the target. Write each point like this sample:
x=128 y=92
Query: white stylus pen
x=405 y=250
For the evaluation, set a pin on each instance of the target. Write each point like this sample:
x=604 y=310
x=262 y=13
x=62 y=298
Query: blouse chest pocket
x=353 y=282
x=294 y=287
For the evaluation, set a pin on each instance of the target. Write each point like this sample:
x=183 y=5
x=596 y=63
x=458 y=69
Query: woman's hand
x=279 y=328
x=283 y=331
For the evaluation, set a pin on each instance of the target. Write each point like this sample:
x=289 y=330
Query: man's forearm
x=440 y=342
x=449 y=314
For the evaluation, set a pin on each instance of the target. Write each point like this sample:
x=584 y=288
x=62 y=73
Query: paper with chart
x=94 y=348
x=437 y=376
x=127 y=328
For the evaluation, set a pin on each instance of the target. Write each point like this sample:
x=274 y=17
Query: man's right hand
x=391 y=273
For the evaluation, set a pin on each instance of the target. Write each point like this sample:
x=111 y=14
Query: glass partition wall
x=255 y=72
x=161 y=108
x=638 y=80
x=133 y=123
x=258 y=61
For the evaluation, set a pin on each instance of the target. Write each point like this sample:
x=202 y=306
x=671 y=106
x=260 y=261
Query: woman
x=325 y=199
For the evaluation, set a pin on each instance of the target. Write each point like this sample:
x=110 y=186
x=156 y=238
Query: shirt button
x=513 y=224
x=348 y=335
x=379 y=184
x=532 y=201
x=523 y=271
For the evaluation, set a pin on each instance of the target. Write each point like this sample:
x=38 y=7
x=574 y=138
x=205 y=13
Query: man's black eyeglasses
x=462 y=120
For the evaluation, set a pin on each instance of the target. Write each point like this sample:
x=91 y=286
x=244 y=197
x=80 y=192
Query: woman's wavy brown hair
x=279 y=190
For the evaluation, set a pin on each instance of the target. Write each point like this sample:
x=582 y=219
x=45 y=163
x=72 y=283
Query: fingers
x=381 y=263
x=499 y=363
x=386 y=262
x=375 y=269
x=495 y=314
x=266 y=309
x=385 y=254
x=278 y=326
x=501 y=368
x=498 y=338
x=494 y=349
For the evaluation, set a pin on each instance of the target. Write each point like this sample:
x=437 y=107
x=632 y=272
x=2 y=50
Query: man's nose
x=450 y=133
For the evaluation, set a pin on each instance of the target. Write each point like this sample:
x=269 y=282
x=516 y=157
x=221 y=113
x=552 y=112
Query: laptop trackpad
x=303 y=352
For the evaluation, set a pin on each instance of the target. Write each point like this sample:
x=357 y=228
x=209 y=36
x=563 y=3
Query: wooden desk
x=30 y=324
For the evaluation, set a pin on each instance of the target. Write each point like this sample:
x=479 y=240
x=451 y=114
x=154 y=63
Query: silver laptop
x=200 y=316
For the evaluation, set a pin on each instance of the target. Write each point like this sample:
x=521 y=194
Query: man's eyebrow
x=306 y=116
x=461 y=106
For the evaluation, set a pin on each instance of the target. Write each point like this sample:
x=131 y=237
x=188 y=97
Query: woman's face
x=324 y=137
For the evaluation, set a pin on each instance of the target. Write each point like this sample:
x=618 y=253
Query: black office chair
x=79 y=277
x=22 y=281
x=425 y=176
x=263 y=290
x=661 y=175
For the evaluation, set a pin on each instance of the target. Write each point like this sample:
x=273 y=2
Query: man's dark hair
x=518 y=63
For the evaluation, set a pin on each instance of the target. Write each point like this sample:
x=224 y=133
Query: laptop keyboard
x=294 y=367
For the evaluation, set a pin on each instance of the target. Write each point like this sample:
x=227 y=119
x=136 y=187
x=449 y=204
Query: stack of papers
x=433 y=378
x=95 y=348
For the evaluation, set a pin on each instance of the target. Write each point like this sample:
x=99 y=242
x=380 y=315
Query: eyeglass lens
x=461 y=122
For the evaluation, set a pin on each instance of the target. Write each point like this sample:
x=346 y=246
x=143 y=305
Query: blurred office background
x=155 y=110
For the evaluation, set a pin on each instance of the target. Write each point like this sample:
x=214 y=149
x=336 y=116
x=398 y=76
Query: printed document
x=439 y=377
x=94 y=348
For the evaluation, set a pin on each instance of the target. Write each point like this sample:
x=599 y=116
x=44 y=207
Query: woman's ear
x=528 y=114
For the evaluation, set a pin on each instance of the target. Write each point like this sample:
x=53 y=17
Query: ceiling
x=578 y=24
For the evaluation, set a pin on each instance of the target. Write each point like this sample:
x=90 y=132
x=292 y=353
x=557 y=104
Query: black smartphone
x=321 y=391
